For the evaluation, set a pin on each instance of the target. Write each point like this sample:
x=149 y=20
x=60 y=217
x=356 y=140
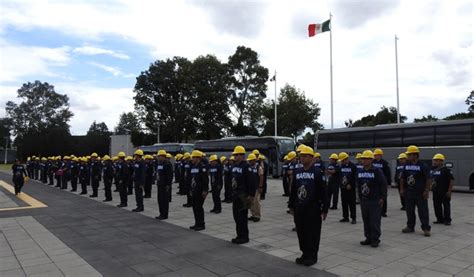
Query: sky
x=94 y=50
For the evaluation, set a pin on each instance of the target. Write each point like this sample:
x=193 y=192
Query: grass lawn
x=5 y=167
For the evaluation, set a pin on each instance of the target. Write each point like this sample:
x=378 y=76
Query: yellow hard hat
x=186 y=155
x=139 y=152
x=317 y=155
x=162 y=153
x=43 y=159
x=285 y=158
x=251 y=157
x=239 y=150
x=256 y=152
x=367 y=154
x=439 y=156
x=94 y=155
x=298 y=149
x=291 y=155
x=306 y=150
x=342 y=156
x=66 y=158
x=223 y=158
x=358 y=156
x=196 y=154
x=412 y=149
x=334 y=156
x=106 y=158
x=178 y=156
x=213 y=158
x=261 y=157
x=168 y=155
x=402 y=156
x=28 y=159
x=121 y=154
x=378 y=151
x=232 y=158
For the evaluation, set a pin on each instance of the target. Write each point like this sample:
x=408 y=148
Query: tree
x=428 y=118
x=41 y=114
x=128 y=123
x=295 y=113
x=98 y=138
x=384 y=116
x=460 y=116
x=210 y=81
x=308 y=139
x=470 y=102
x=163 y=98
x=5 y=132
x=248 y=89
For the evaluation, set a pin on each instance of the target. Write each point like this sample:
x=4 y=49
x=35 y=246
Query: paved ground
x=450 y=250
x=115 y=242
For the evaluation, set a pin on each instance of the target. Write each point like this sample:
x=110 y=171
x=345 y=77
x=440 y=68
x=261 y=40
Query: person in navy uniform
x=415 y=185
x=43 y=170
x=96 y=174
x=401 y=161
x=372 y=188
x=74 y=167
x=257 y=176
x=164 y=178
x=348 y=188
x=108 y=176
x=264 y=166
x=379 y=162
x=50 y=171
x=442 y=187
x=309 y=203
x=227 y=169
x=123 y=175
x=19 y=174
x=215 y=174
x=243 y=192
x=84 y=175
x=333 y=175
x=138 y=180
x=186 y=169
x=149 y=175
x=199 y=189
x=318 y=163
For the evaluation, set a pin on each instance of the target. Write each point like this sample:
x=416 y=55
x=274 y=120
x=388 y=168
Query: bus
x=454 y=139
x=172 y=147
x=273 y=148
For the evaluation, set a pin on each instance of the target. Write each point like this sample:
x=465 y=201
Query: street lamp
x=6 y=148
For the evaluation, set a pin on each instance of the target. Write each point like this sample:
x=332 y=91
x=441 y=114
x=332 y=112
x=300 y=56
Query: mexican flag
x=314 y=29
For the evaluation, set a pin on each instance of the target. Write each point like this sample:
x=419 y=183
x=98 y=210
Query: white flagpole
x=396 y=74
x=330 y=57
x=276 y=133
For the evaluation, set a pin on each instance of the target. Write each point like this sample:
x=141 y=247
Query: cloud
x=355 y=13
x=117 y=72
x=237 y=17
x=90 y=50
x=17 y=61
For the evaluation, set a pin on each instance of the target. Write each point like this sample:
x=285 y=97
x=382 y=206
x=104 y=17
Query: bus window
x=338 y=140
x=388 y=138
x=364 y=139
x=322 y=141
x=419 y=136
x=454 y=135
x=187 y=148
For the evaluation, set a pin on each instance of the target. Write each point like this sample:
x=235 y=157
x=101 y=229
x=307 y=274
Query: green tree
x=470 y=102
x=163 y=98
x=210 y=81
x=428 y=118
x=5 y=132
x=295 y=113
x=128 y=123
x=41 y=113
x=308 y=139
x=248 y=89
x=384 y=116
x=460 y=116
x=98 y=138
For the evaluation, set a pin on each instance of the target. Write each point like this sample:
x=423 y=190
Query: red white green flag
x=314 y=29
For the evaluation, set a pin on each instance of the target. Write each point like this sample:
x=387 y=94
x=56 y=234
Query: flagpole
x=276 y=133
x=330 y=57
x=396 y=75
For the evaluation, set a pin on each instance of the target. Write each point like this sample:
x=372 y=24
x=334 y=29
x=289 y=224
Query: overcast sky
x=93 y=50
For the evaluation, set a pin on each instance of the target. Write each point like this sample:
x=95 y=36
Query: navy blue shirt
x=309 y=189
x=139 y=172
x=242 y=185
x=415 y=177
x=371 y=184
x=164 y=173
x=215 y=172
x=441 y=178
x=348 y=175
x=199 y=178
